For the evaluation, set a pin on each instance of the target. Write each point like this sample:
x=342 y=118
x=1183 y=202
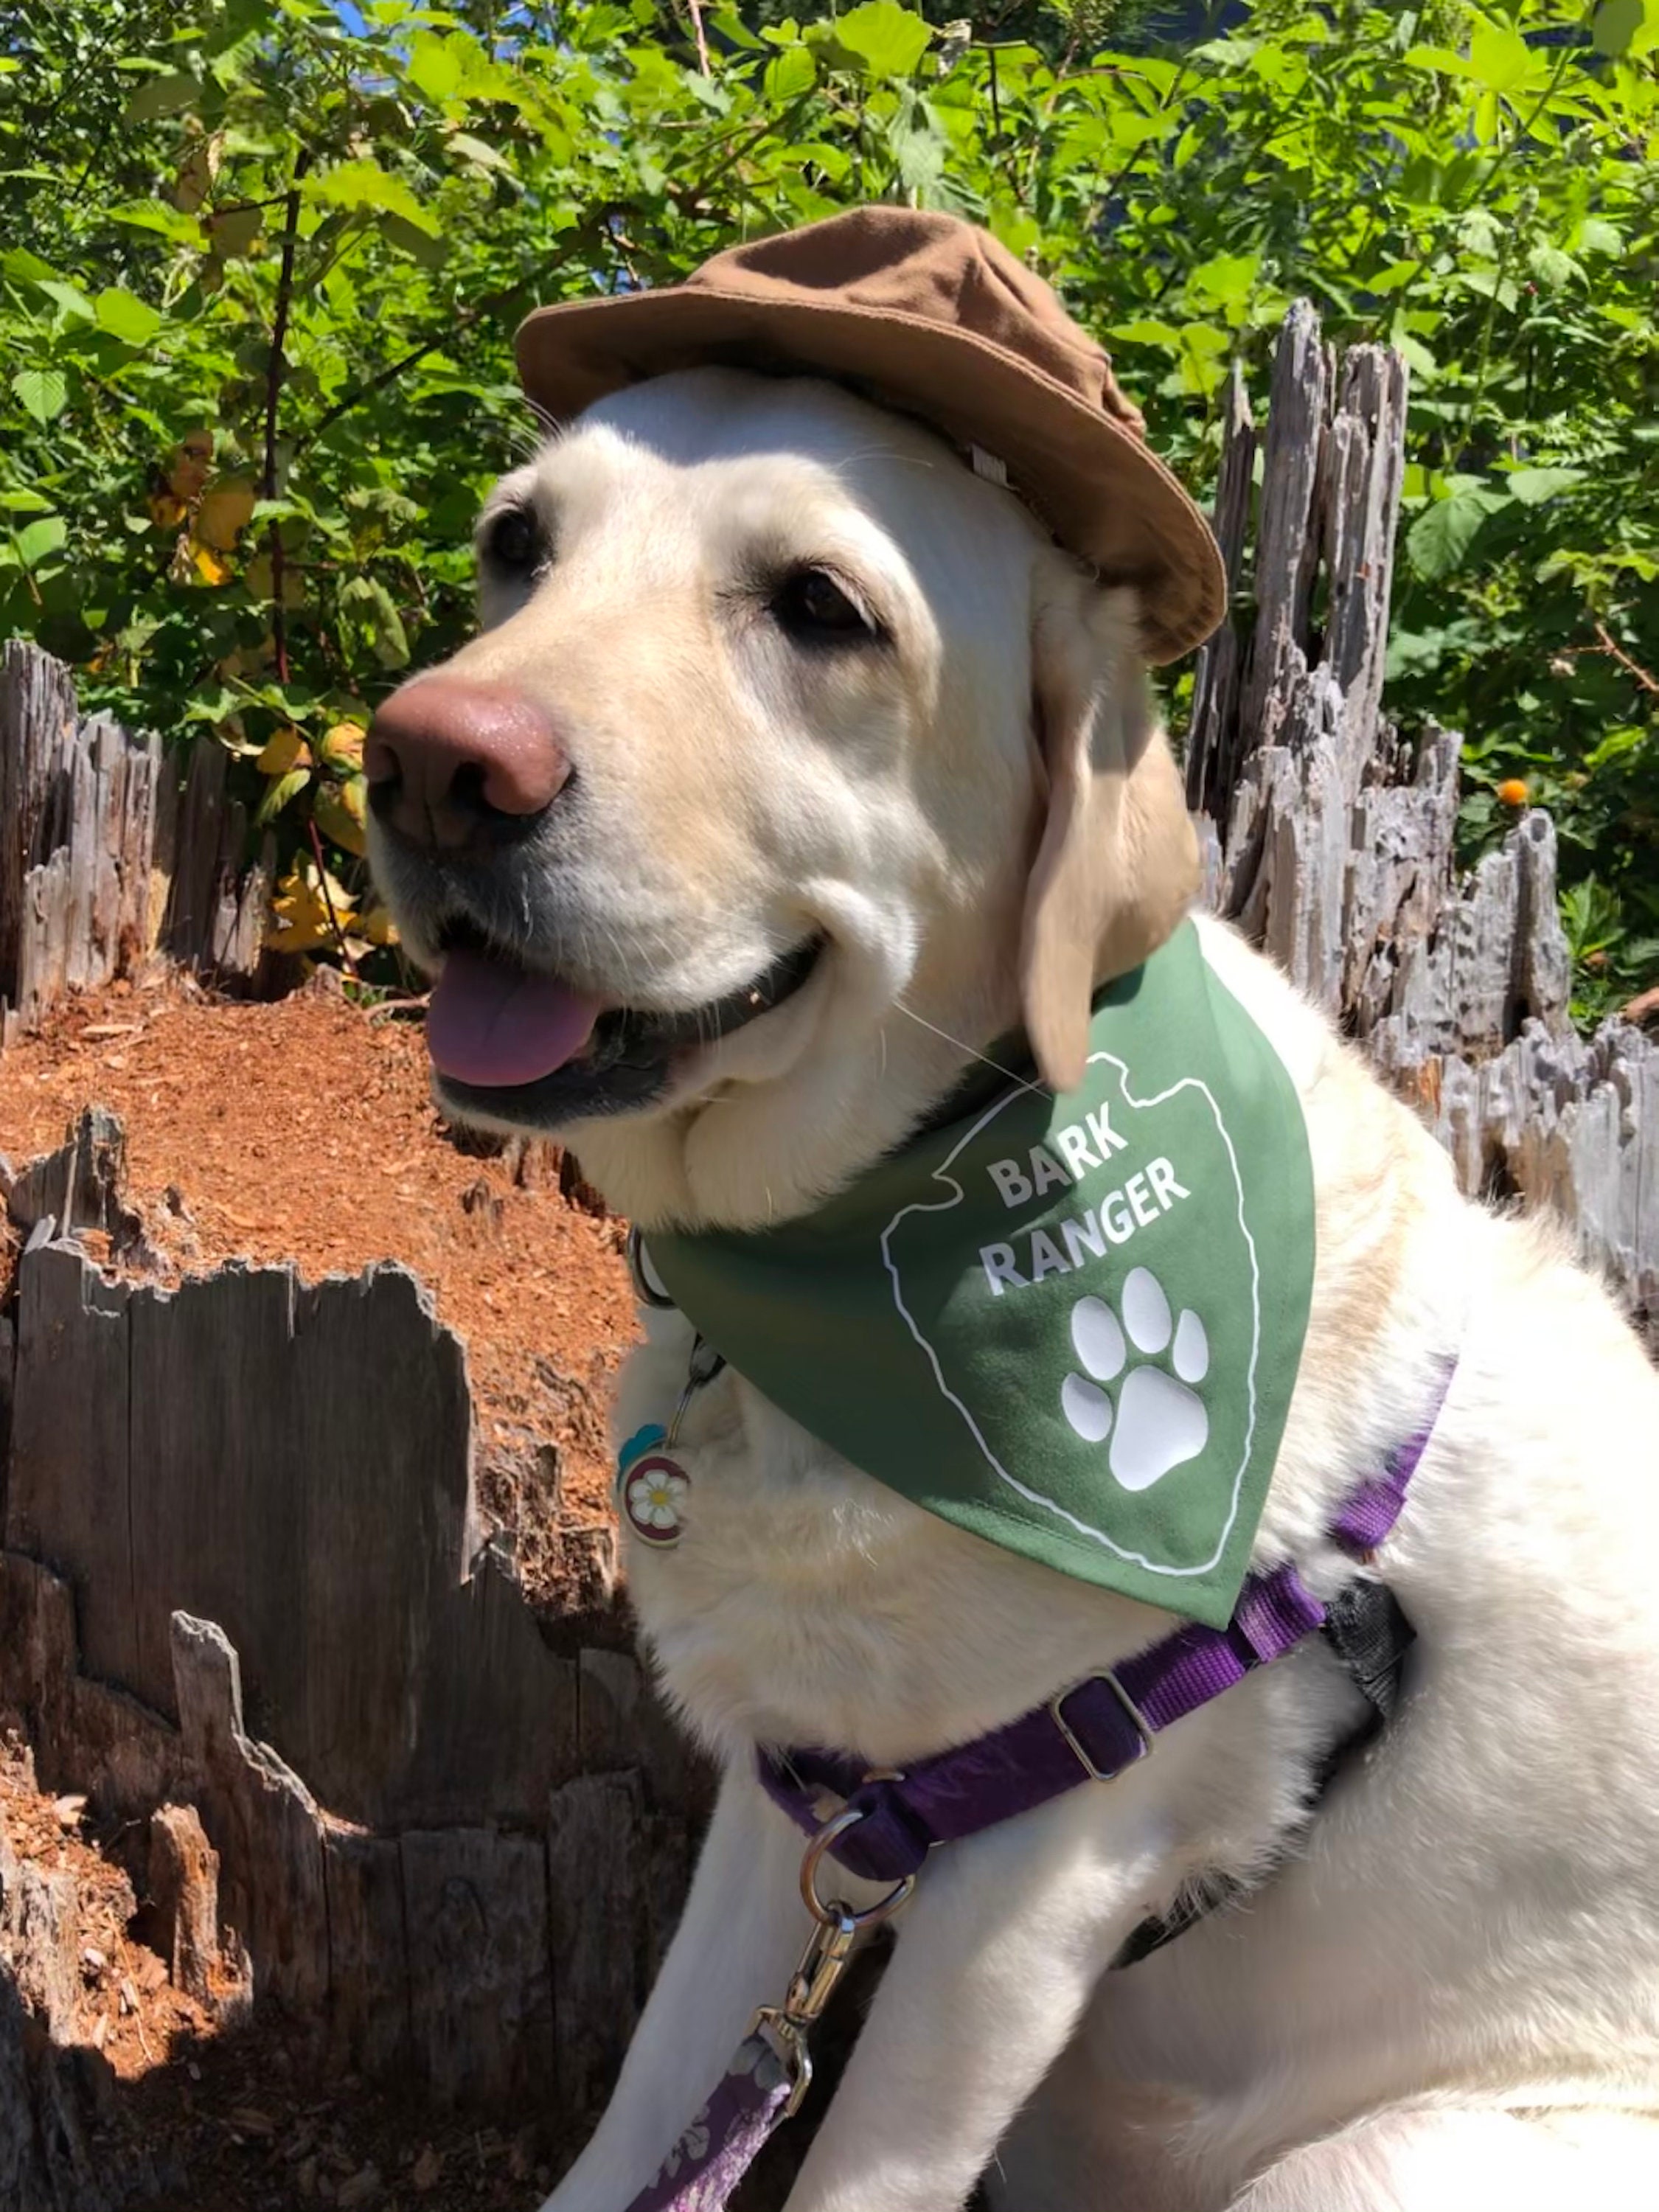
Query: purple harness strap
x=1090 y=1732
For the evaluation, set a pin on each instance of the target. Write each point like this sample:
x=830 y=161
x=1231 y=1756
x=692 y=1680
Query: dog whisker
x=1037 y=1089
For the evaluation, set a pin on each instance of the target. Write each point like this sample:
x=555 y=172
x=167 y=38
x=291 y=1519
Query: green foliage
x=260 y=263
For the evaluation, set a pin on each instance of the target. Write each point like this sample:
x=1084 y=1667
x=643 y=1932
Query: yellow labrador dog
x=795 y=763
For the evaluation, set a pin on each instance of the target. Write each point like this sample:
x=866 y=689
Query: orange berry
x=1513 y=791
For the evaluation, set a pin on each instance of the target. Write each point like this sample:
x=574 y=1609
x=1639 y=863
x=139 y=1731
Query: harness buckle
x=1137 y=1720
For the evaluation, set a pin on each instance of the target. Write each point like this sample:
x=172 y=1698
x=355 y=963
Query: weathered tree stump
x=455 y=1851
x=107 y=853
x=1330 y=840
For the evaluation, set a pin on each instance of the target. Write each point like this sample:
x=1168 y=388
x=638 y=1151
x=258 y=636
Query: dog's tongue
x=492 y=1026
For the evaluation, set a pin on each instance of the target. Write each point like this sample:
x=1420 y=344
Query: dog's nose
x=449 y=760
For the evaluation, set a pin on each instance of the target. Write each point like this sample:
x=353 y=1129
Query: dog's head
x=792 y=766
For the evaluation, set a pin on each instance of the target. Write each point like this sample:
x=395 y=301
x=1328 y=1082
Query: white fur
x=1449 y=2000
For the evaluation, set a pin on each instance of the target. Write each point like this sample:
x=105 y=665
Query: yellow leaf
x=339 y=815
x=226 y=511
x=342 y=746
x=196 y=172
x=285 y=749
x=301 y=910
x=209 y=566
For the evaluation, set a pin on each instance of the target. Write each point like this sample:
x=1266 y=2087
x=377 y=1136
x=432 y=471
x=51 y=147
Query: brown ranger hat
x=933 y=317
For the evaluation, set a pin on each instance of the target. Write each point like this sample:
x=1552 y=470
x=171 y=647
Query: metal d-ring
x=831 y=1914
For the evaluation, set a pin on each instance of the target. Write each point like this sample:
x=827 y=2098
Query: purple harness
x=888 y=1822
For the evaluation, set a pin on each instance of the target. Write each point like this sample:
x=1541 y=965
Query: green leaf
x=42 y=393
x=1614 y=25
x=792 y=73
x=1226 y=278
x=420 y=244
x=35 y=540
x=1617 y=743
x=24 y=501
x=475 y=151
x=69 y=297
x=1421 y=362
x=167 y=221
x=1532 y=487
x=1499 y=57
x=1443 y=534
x=1552 y=268
x=161 y=95
x=372 y=606
x=1440 y=60
x=437 y=66
x=127 y=317
x=1597 y=236
x=1390 y=278
x=278 y=794
x=1207 y=340
x=888 y=38
x=27 y=268
x=367 y=185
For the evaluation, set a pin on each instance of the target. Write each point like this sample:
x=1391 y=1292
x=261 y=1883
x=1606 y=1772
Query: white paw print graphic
x=1158 y=1423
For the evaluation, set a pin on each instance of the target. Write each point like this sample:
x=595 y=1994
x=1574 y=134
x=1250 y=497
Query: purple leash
x=889 y=1821
x=721 y=2145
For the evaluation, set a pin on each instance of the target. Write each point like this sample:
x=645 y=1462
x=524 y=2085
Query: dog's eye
x=514 y=541
x=814 y=610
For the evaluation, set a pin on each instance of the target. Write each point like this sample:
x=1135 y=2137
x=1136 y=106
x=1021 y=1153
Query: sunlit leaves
x=125 y=316
x=39 y=540
x=365 y=184
x=165 y=93
x=890 y=40
x=309 y=908
x=1478 y=184
x=41 y=393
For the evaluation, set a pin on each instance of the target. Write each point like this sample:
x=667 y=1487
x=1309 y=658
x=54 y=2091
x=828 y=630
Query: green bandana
x=1069 y=1324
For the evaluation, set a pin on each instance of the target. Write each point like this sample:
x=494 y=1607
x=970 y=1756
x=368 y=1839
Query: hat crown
x=921 y=264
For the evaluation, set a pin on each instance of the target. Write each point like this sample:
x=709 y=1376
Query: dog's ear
x=1117 y=865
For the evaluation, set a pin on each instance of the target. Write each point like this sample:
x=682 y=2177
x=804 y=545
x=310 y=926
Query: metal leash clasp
x=704 y=1366
x=837 y=1932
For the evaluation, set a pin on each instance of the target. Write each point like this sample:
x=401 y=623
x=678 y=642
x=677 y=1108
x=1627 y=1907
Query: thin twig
x=695 y=6
x=462 y=321
x=1608 y=646
x=1611 y=647
x=328 y=900
x=275 y=371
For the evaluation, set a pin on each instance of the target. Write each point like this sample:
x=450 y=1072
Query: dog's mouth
x=516 y=1044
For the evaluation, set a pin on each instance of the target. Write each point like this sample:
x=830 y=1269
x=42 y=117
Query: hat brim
x=1091 y=480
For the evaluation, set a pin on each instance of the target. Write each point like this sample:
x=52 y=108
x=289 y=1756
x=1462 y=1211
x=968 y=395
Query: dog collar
x=1069 y=1325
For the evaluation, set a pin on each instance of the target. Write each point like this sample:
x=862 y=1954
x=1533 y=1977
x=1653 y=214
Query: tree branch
x=489 y=305
x=276 y=369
